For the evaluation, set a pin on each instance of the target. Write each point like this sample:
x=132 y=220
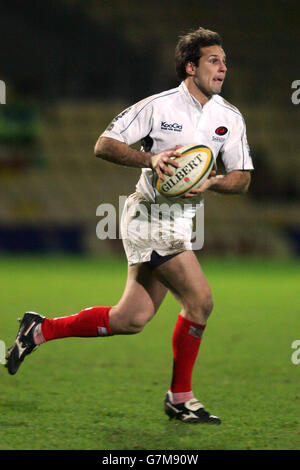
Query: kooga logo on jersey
x=171 y=127
x=182 y=173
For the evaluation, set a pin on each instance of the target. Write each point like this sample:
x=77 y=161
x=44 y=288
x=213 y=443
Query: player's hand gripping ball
x=194 y=167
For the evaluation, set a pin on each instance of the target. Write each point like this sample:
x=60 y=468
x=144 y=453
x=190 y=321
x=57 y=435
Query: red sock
x=89 y=322
x=186 y=342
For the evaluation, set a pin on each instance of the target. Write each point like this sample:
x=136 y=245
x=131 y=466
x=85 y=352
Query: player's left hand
x=207 y=183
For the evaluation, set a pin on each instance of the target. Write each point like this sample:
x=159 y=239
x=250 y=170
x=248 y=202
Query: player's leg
x=185 y=279
x=141 y=299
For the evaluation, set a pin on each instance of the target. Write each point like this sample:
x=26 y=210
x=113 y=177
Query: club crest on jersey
x=171 y=127
x=222 y=130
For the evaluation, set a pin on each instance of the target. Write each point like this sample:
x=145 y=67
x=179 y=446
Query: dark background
x=115 y=49
x=70 y=65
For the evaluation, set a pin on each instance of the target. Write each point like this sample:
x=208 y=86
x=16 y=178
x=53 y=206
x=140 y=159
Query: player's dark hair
x=188 y=48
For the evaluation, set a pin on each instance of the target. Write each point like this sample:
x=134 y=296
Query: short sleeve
x=132 y=124
x=236 y=152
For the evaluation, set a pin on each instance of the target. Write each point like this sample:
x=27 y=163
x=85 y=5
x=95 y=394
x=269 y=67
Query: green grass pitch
x=81 y=393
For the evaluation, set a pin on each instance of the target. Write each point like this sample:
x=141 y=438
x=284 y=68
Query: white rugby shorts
x=147 y=227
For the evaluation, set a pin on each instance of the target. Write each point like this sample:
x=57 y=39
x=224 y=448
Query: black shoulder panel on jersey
x=147 y=143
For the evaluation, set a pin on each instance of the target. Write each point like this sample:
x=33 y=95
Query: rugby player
x=192 y=113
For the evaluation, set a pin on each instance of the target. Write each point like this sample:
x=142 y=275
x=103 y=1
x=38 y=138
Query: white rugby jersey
x=175 y=117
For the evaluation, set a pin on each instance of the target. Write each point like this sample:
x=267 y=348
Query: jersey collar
x=191 y=99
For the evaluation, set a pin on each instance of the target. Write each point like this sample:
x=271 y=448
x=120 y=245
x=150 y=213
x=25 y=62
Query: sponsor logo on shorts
x=171 y=127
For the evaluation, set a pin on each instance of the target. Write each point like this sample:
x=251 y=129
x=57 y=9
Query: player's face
x=210 y=73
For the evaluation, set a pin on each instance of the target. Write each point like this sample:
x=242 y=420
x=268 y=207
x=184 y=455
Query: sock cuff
x=190 y=328
x=106 y=321
x=187 y=322
x=38 y=337
x=180 y=397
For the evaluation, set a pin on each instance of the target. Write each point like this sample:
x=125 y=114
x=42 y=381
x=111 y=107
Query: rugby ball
x=195 y=165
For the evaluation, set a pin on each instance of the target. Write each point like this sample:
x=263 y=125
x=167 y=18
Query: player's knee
x=135 y=326
x=123 y=324
x=200 y=309
x=207 y=305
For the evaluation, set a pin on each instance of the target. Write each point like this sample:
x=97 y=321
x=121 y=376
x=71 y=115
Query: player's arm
x=238 y=165
x=120 y=153
x=235 y=182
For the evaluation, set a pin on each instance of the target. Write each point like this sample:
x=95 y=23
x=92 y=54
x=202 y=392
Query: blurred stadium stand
x=73 y=65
